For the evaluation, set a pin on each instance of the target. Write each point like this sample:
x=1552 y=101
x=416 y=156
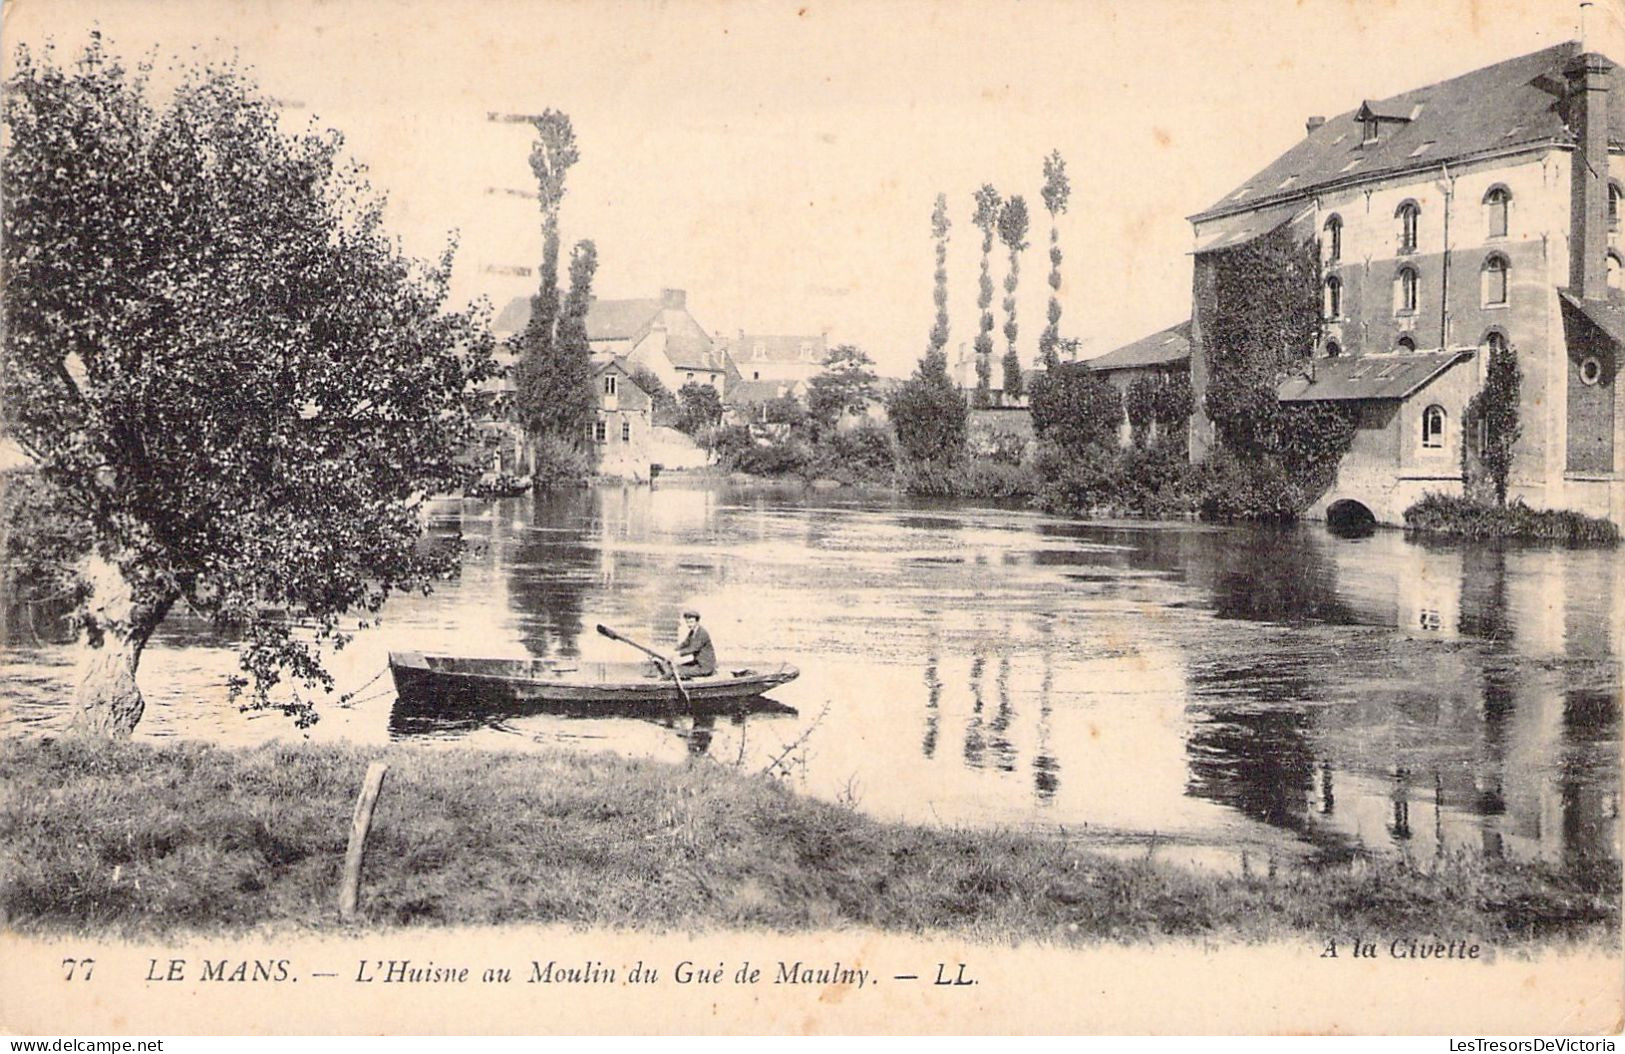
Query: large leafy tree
x=234 y=389
x=1057 y=189
x=986 y=218
x=845 y=385
x=1013 y=224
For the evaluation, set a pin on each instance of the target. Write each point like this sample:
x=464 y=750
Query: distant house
x=775 y=358
x=746 y=401
x=657 y=334
x=623 y=424
x=1162 y=356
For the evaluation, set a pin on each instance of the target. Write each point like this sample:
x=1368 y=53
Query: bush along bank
x=855 y=456
x=1468 y=517
x=138 y=840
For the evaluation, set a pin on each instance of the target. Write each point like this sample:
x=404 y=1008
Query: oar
x=655 y=655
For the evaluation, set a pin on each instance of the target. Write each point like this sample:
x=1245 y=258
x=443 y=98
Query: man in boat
x=695 y=655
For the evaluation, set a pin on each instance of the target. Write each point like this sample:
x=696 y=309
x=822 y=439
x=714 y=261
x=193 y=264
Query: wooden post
x=349 y=890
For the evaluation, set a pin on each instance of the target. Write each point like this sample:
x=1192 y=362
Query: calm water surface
x=1221 y=696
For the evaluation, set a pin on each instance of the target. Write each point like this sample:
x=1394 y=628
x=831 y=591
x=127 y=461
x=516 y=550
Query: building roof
x=688 y=346
x=775 y=349
x=1385 y=376
x=746 y=392
x=1607 y=315
x=1509 y=105
x=1162 y=348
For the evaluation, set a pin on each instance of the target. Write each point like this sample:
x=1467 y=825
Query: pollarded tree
x=1013 y=223
x=1057 y=189
x=986 y=217
x=234 y=389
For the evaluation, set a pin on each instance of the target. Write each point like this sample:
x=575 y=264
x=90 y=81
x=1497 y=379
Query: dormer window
x=1369 y=131
x=806 y=351
x=1371 y=119
x=759 y=351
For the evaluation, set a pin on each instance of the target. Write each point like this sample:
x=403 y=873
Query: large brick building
x=1472 y=212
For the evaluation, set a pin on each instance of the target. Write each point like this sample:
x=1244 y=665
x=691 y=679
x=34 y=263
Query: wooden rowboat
x=576 y=687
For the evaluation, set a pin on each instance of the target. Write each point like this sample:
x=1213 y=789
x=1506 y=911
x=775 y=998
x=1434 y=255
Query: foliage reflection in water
x=1243 y=694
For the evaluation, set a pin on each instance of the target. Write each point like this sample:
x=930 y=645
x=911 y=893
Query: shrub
x=930 y=418
x=1471 y=518
x=1075 y=408
x=1229 y=488
x=557 y=463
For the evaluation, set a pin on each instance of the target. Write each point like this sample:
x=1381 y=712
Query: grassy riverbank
x=145 y=840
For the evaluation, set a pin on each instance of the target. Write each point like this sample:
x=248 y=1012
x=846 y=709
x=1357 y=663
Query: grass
x=1466 y=517
x=142 y=840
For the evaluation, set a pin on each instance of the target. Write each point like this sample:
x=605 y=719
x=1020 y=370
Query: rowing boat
x=582 y=687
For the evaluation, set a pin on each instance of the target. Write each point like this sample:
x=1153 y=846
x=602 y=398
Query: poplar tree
x=986 y=217
x=1013 y=224
x=1057 y=190
x=937 y=356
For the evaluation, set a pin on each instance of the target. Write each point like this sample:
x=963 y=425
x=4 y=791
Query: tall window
x=1614 y=194
x=1408 y=215
x=609 y=384
x=1613 y=271
x=1334 y=297
x=1494 y=280
x=1407 y=290
x=626 y=430
x=1334 y=238
x=600 y=432
x=1433 y=427
x=1497 y=203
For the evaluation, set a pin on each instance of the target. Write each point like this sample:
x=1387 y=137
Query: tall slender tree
x=1057 y=189
x=986 y=217
x=551 y=157
x=1013 y=224
x=936 y=356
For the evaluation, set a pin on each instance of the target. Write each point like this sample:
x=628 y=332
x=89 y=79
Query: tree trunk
x=118 y=622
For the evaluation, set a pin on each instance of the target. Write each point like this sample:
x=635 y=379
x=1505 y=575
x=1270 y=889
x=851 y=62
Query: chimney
x=1587 y=109
x=1313 y=123
x=675 y=299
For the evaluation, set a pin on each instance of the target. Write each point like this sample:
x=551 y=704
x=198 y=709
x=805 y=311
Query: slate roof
x=1606 y=315
x=1385 y=376
x=746 y=392
x=1166 y=347
x=688 y=346
x=1511 y=104
x=776 y=349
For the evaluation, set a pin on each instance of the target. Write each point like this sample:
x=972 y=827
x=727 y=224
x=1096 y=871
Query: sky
x=779 y=160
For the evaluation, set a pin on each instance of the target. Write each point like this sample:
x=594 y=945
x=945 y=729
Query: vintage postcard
x=907 y=517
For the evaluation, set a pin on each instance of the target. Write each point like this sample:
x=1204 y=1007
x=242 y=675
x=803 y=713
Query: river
x=1227 y=697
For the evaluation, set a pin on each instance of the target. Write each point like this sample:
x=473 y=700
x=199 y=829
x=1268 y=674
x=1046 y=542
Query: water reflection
x=1267 y=693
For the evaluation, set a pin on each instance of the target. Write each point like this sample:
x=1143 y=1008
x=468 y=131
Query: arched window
x=1433 y=427
x=1408 y=215
x=1497 y=203
x=1334 y=297
x=1614 y=267
x=1334 y=238
x=1333 y=349
x=1404 y=344
x=1407 y=291
x=1614 y=194
x=1493 y=280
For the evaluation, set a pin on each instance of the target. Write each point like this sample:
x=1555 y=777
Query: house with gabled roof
x=1476 y=213
x=1159 y=357
x=656 y=333
x=761 y=357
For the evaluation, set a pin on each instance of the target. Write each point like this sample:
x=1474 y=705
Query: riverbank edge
x=140 y=840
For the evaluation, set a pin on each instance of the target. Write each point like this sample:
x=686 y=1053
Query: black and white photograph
x=704 y=517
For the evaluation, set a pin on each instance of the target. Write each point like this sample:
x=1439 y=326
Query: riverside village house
x=656 y=333
x=1482 y=210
